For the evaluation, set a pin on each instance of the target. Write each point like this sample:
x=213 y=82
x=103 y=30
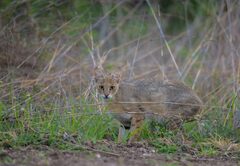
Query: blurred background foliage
x=49 y=14
x=50 y=37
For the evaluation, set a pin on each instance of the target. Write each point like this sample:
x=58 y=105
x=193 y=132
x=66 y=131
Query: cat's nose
x=106 y=96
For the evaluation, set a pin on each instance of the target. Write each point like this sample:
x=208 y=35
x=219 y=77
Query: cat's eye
x=111 y=87
x=101 y=87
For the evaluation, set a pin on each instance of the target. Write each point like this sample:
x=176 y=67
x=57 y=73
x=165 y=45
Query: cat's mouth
x=106 y=97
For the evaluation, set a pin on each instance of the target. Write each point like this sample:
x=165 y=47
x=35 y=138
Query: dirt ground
x=119 y=155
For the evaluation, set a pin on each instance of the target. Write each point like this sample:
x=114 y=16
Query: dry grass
x=56 y=68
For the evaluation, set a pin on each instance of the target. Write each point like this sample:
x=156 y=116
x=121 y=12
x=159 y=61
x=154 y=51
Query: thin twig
x=163 y=37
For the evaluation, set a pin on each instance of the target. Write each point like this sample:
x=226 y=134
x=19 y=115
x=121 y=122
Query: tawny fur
x=172 y=101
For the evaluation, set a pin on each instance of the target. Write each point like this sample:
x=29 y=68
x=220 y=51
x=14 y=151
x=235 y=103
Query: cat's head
x=107 y=84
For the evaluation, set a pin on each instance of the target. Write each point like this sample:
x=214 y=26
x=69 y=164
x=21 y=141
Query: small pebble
x=98 y=155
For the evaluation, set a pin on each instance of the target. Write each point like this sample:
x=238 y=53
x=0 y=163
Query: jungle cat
x=137 y=100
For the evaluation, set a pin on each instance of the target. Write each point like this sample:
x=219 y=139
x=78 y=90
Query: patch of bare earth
x=107 y=154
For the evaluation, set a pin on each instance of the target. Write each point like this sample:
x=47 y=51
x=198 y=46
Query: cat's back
x=161 y=96
x=153 y=89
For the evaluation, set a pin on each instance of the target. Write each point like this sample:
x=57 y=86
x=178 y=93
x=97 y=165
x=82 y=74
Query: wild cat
x=137 y=100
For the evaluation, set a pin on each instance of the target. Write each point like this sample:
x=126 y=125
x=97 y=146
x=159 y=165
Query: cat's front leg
x=121 y=132
x=136 y=124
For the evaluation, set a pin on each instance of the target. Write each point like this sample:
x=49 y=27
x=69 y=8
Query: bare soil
x=109 y=155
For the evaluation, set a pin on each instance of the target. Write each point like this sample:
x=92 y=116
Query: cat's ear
x=102 y=60
x=120 y=71
x=97 y=73
x=99 y=64
x=117 y=76
x=98 y=70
